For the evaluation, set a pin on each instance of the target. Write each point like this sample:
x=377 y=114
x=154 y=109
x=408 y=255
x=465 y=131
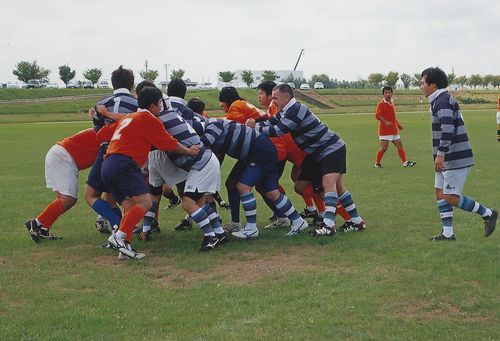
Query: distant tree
x=495 y=82
x=268 y=75
x=415 y=81
x=392 y=78
x=93 y=75
x=461 y=80
x=451 y=78
x=295 y=81
x=376 y=79
x=177 y=74
x=321 y=78
x=24 y=71
x=247 y=77
x=149 y=75
x=406 y=79
x=487 y=79
x=361 y=83
x=226 y=76
x=475 y=80
x=66 y=74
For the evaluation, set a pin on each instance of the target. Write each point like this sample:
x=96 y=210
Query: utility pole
x=166 y=72
x=146 y=65
x=298 y=59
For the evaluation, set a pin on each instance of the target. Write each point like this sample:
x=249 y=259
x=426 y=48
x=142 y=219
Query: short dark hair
x=285 y=89
x=196 y=104
x=228 y=95
x=435 y=75
x=176 y=87
x=144 y=84
x=267 y=87
x=387 y=87
x=122 y=78
x=148 y=95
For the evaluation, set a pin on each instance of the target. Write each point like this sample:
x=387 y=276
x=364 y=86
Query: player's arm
x=445 y=117
x=379 y=115
x=101 y=109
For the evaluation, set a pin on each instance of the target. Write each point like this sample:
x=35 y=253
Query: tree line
x=26 y=71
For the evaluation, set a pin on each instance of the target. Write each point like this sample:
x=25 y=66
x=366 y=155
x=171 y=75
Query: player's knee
x=68 y=202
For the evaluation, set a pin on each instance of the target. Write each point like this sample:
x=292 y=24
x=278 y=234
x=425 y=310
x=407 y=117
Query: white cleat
x=246 y=233
x=298 y=226
x=124 y=248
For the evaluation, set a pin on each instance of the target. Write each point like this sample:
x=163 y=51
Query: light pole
x=166 y=72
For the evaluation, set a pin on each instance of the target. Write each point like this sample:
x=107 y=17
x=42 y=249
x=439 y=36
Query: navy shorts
x=261 y=166
x=313 y=171
x=94 y=179
x=123 y=177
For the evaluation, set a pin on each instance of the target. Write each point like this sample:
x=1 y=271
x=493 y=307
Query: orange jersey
x=388 y=112
x=288 y=150
x=135 y=134
x=240 y=111
x=82 y=147
x=499 y=104
x=271 y=111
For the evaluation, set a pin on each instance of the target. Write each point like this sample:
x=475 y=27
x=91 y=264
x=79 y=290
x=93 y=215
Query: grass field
x=388 y=283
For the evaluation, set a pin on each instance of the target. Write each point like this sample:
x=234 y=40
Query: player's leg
x=380 y=154
x=402 y=153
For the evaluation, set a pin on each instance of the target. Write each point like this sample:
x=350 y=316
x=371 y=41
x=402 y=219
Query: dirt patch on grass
x=249 y=269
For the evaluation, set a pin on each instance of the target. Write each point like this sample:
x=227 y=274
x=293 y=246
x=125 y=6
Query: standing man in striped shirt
x=452 y=155
x=325 y=163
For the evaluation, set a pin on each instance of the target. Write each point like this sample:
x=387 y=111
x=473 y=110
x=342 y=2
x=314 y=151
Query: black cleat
x=490 y=223
x=209 y=243
x=102 y=226
x=145 y=236
x=155 y=226
x=33 y=229
x=440 y=237
x=409 y=164
x=184 y=225
x=223 y=238
x=349 y=226
x=174 y=202
x=309 y=214
x=46 y=235
x=323 y=231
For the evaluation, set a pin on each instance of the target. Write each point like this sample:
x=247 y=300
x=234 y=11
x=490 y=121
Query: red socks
x=50 y=214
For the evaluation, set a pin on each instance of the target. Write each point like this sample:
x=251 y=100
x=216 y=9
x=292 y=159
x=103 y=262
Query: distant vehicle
x=52 y=86
x=87 y=84
x=304 y=86
x=72 y=84
x=319 y=85
x=33 y=83
x=10 y=85
x=292 y=85
x=104 y=84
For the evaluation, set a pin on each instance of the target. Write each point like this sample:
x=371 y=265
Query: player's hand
x=250 y=122
x=439 y=163
x=400 y=127
x=388 y=124
x=91 y=112
x=194 y=150
x=101 y=109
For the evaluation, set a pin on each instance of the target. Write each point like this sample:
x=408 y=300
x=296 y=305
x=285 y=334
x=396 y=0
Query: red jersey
x=499 y=104
x=240 y=111
x=82 y=147
x=135 y=134
x=387 y=110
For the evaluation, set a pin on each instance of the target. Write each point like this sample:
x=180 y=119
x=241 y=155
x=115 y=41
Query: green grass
x=18 y=94
x=386 y=283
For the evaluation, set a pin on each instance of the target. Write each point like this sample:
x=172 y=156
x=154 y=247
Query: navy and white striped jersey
x=180 y=105
x=449 y=136
x=187 y=136
x=120 y=102
x=227 y=137
x=308 y=132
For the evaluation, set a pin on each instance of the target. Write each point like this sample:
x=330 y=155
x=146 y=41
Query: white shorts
x=498 y=117
x=163 y=171
x=206 y=180
x=451 y=181
x=61 y=171
x=389 y=137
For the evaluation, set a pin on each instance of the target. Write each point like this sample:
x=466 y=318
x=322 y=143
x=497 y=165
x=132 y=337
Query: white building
x=237 y=82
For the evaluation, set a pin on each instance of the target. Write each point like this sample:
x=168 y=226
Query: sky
x=343 y=39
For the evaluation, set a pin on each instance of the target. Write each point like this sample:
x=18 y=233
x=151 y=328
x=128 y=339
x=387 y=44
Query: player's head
x=197 y=105
x=265 y=90
x=433 y=78
x=122 y=78
x=150 y=98
x=227 y=96
x=144 y=84
x=176 y=87
x=387 y=92
x=282 y=94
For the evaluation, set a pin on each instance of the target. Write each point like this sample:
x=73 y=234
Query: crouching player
x=131 y=140
x=62 y=164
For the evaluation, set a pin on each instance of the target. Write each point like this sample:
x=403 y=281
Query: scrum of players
x=149 y=145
